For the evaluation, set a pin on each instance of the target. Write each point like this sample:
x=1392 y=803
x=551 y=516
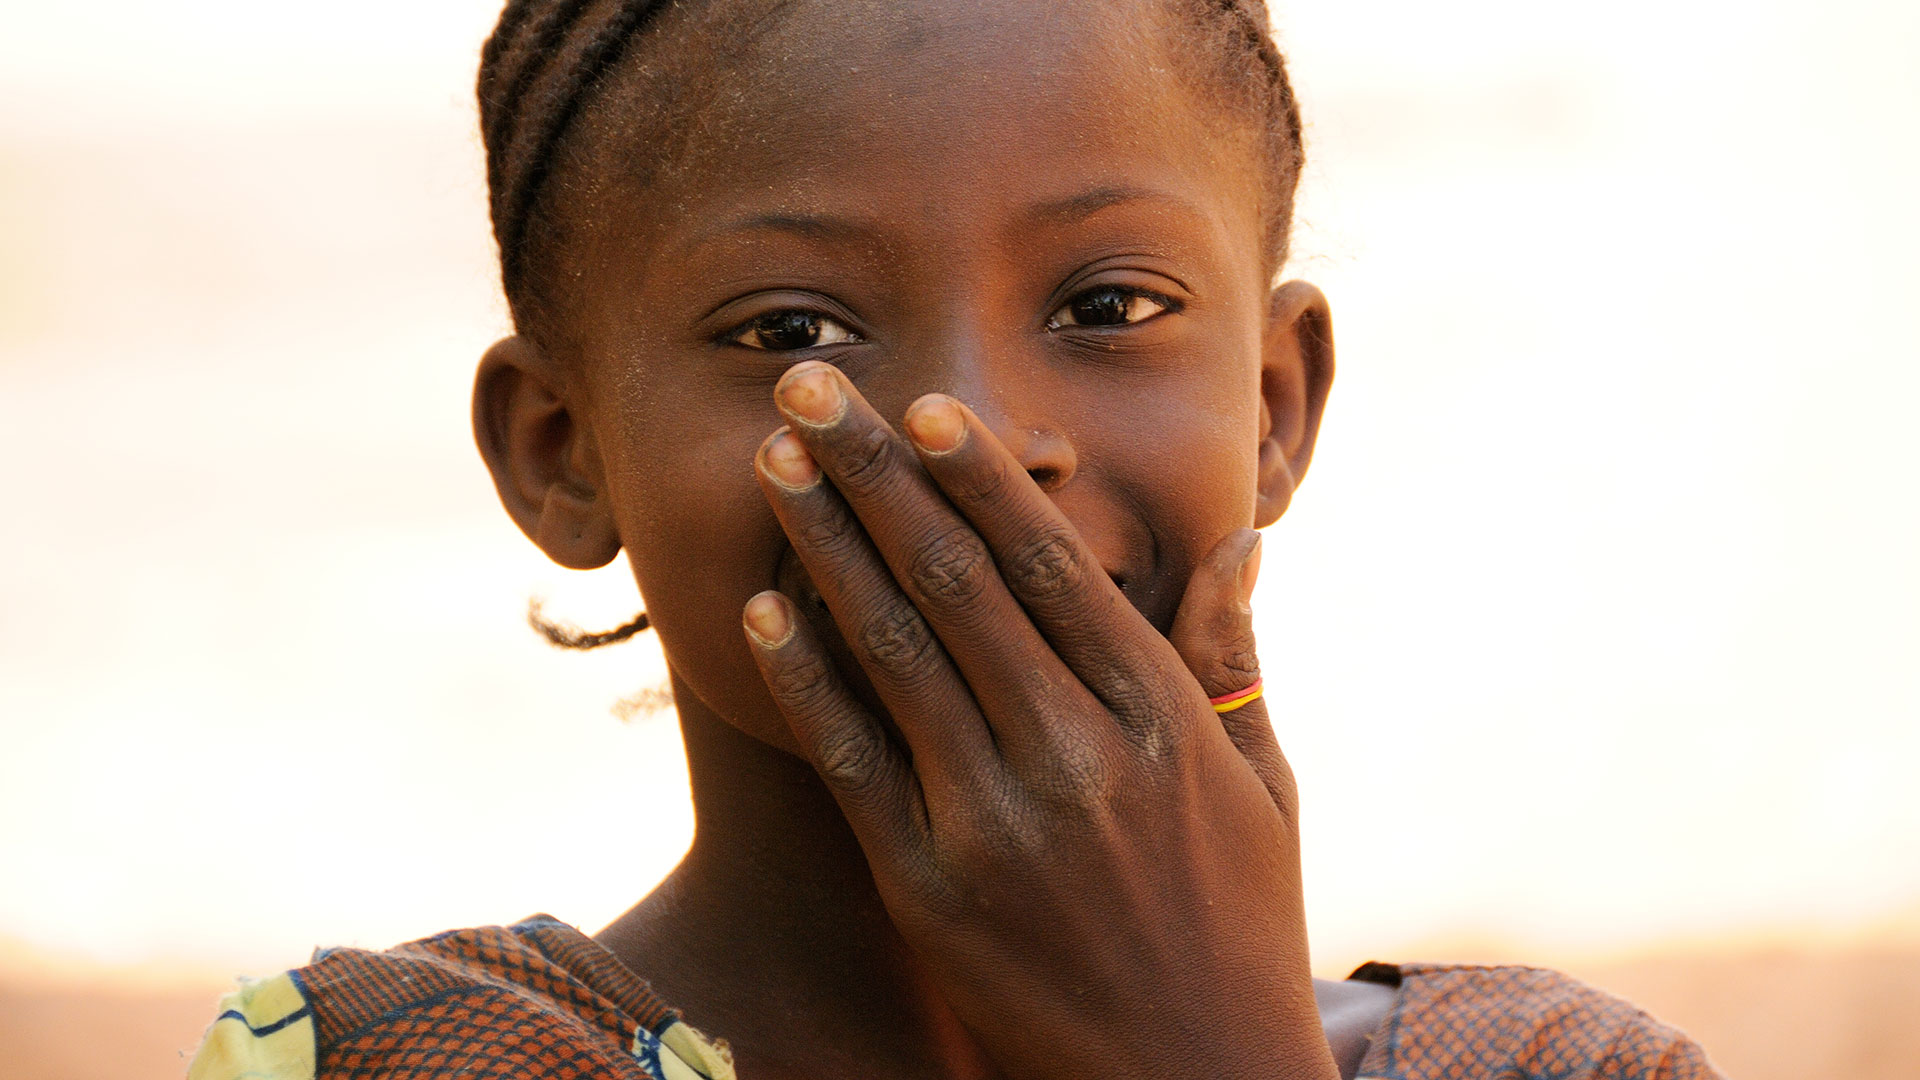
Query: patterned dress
x=542 y=1001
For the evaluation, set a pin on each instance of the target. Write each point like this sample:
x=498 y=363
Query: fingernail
x=936 y=423
x=1250 y=572
x=813 y=394
x=766 y=620
x=789 y=463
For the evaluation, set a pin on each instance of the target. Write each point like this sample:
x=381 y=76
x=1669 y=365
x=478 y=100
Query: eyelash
x=1167 y=305
x=768 y=322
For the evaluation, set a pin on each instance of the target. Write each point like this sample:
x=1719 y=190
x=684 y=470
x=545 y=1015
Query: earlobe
x=543 y=460
x=1296 y=372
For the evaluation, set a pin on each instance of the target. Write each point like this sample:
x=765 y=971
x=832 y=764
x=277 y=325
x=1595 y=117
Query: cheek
x=1191 y=470
x=701 y=540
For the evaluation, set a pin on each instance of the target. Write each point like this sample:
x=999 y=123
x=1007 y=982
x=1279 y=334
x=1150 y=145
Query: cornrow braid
x=534 y=76
x=1253 y=22
x=1247 y=25
x=541 y=40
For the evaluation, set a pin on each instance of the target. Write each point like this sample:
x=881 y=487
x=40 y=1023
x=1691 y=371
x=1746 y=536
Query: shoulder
x=536 y=999
x=1462 y=1020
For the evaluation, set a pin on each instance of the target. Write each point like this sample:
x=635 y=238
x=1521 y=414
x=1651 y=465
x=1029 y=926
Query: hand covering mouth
x=792 y=579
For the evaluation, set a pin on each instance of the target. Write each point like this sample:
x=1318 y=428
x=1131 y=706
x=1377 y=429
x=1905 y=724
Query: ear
x=544 y=461
x=1296 y=371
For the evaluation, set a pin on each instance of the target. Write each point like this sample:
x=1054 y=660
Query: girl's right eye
x=791 y=331
x=1110 y=305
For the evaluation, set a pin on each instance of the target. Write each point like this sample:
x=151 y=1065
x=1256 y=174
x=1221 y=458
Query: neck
x=771 y=933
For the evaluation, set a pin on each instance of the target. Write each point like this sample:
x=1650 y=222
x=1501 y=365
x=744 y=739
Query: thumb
x=1213 y=634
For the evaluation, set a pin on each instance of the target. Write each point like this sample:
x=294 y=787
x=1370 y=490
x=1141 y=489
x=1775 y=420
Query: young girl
x=938 y=343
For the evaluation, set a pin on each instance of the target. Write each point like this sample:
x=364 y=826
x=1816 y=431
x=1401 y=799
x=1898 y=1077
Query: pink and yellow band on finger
x=1226 y=703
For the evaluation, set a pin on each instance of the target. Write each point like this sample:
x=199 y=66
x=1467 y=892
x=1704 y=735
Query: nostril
x=1046 y=455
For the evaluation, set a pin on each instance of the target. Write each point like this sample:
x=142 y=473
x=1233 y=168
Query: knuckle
x=1161 y=744
x=852 y=760
x=1239 y=662
x=1153 y=714
x=983 y=484
x=1003 y=835
x=1077 y=778
x=897 y=638
x=1137 y=699
x=802 y=685
x=833 y=535
x=864 y=458
x=1048 y=567
x=951 y=568
x=1074 y=771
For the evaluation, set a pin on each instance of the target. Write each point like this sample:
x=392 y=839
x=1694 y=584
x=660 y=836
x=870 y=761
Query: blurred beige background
x=1595 y=635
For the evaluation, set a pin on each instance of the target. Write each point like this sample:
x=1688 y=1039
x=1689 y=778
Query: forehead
x=941 y=113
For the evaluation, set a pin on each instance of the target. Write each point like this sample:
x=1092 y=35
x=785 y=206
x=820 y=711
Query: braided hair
x=546 y=59
x=1247 y=59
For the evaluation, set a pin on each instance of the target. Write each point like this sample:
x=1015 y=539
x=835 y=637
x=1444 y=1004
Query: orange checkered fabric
x=535 y=1000
x=542 y=1001
x=540 y=998
x=1518 y=1023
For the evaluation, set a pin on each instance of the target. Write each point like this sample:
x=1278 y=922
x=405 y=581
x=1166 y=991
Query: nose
x=1011 y=397
x=1046 y=454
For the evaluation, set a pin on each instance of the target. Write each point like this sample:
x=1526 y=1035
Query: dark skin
x=962 y=808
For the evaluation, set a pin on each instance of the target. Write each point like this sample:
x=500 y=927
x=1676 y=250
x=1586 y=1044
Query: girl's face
x=1031 y=207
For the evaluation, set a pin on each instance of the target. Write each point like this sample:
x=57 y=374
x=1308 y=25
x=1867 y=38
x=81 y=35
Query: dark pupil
x=1108 y=307
x=788 y=330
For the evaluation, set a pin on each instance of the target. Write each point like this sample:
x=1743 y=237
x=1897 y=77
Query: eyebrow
x=826 y=227
x=1077 y=208
x=809 y=226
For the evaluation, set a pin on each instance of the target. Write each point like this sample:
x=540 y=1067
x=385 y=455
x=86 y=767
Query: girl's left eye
x=789 y=331
x=1108 y=306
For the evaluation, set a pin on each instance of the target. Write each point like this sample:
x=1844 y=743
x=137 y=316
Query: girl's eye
x=788 y=331
x=1109 y=306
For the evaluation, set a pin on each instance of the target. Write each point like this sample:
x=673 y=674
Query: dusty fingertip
x=768 y=621
x=1230 y=553
x=811 y=393
x=936 y=424
x=786 y=459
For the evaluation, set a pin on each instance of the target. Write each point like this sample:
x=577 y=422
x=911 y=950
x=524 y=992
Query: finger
x=1052 y=571
x=1213 y=633
x=916 y=680
x=938 y=560
x=869 y=775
